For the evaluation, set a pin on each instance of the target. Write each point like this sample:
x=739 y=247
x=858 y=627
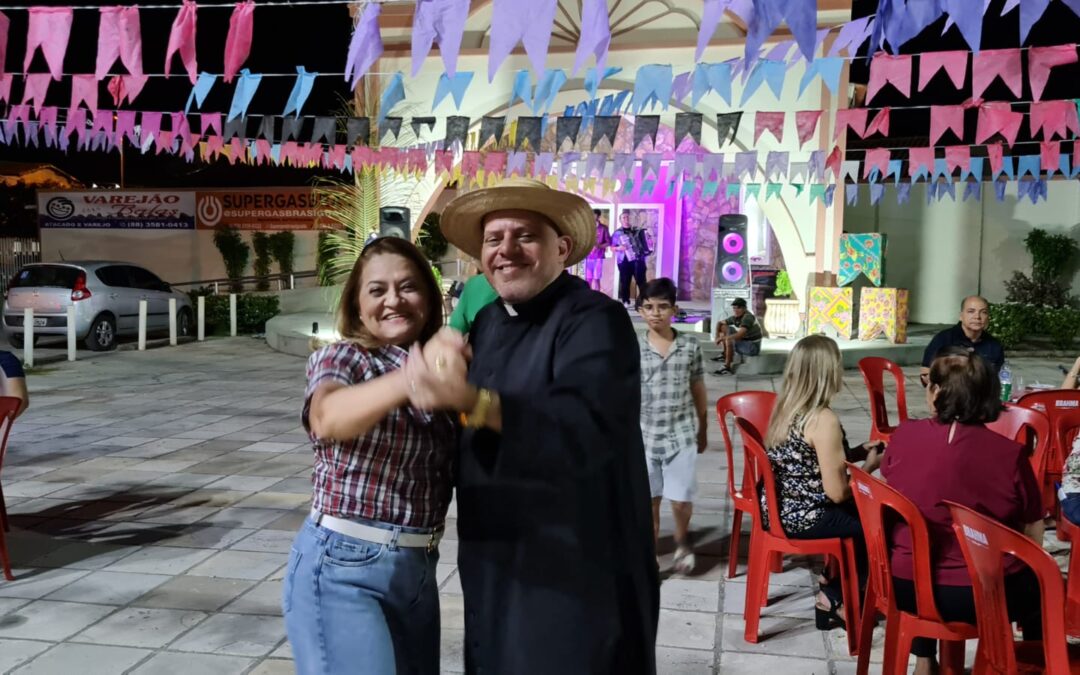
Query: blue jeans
x=1070 y=506
x=352 y=606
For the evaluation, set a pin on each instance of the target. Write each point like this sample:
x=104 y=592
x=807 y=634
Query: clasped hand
x=436 y=374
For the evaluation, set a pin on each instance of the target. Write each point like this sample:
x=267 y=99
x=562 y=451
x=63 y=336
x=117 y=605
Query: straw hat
x=462 y=220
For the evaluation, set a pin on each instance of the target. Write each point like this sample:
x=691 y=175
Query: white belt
x=376 y=535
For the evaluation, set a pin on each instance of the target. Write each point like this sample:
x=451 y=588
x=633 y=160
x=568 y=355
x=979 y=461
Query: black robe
x=556 y=547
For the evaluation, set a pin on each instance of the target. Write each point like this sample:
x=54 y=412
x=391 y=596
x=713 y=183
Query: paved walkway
x=154 y=497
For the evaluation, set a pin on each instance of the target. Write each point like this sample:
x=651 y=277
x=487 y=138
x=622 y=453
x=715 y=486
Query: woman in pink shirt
x=954 y=456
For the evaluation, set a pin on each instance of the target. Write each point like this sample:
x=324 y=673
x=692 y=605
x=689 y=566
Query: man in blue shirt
x=969 y=334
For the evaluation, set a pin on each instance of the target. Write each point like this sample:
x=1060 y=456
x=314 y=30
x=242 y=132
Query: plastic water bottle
x=1006 y=382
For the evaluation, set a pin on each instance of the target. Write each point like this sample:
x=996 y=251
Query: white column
x=172 y=321
x=232 y=314
x=28 y=336
x=71 y=332
x=292 y=281
x=202 y=318
x=142 y=325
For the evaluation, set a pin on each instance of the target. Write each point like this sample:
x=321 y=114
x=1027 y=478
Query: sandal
x=684 y=561
x=827 y=618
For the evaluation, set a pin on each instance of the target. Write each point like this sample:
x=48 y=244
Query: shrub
x=252 y=312
x=234 y=253
x=1011 y=322
x=261 y=243
x=1024 y=290
x=1061 y=324
x=783 y=285
x=281 y=247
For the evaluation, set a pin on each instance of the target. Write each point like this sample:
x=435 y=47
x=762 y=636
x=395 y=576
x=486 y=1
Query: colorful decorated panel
x=883 y=312
x=830 y=311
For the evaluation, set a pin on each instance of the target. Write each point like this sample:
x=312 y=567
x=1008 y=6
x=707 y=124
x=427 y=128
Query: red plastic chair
x=756 y=408
x=1017 y=423
x=984 y=543
x=873 y=369
x=873 y=497
x=765 y=544
x=1054 y=404
x=1071 y=533
x=9 y=407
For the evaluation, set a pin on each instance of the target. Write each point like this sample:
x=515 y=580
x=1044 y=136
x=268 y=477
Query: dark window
x=114 y=275
x=48 y=276
x=145 y=280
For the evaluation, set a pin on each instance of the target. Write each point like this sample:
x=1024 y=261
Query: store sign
x=117 y=209
x=258 y=209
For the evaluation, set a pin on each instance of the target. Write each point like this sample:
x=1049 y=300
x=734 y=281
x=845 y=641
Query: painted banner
x=117 y=209
x=257 y=209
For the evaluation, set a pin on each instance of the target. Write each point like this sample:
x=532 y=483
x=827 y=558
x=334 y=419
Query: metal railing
x=278 y=282
x=14 y=253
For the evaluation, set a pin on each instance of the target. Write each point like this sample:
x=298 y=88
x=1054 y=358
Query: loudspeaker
x=732 y=253
x=394 y=222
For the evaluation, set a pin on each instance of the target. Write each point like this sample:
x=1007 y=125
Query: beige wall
x=175 y=256
x=946 y=250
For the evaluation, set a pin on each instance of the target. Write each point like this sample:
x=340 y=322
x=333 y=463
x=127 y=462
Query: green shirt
x=476 y=295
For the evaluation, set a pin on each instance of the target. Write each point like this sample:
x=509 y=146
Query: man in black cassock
x=555 y=544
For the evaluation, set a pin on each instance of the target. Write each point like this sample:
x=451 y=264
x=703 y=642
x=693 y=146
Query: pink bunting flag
x=47 y=120
x=126 y=87
x=5 y=23
x=877 y=158
x=84 y=89
x=1054 y=118
x=889 y=69
x=495 y=163
x=337 y=156
x=470 y=163
x=806 y=122
x=851 y=118
x=125 y=126
x=919 y=159
x=957 y=156
x=119 y=37
x=773 y=122
x=35 y=87
x=833 y=161
x=211 y=150
x=1050 y=155
x=76 y=122
x=1041 y=60
x=998 y=117
x=238 y=41
x=954 y=63
x=149 y=126
x=5 y=87
x=237 y=151
x=880 y=124
x=993 y=63
x=945 y=118
x=182 y=40
x=49 y=28
x=996 y=153
x=444 y=162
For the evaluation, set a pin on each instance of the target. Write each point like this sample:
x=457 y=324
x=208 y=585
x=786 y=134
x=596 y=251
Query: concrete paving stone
x=161 y=560
x=300 y=486
x=178 y=514
x=140 y=627
x=198 y=535
x=266 y=541
x=108 y=588
x=264 y=598
x=689 y=630
x=50 y=620
x=279 y=468
x=240 y=565
x=181 y=479
x=37 y=583
x=72 y=475
x=234 y=634
x=246 y=436
x=275 y=500
x=243 y=483
x=180 y=663
x=676 y=661
x=32 y=488
x=208 y=497
x=452 y=651
x=452 y=584
x=125 y=441
x=207 y=594
x=83 y=556
x=156 y=448
x=268 y=446
x=284 y=651
x=690 y=595
x=85 y=660
x=776 y=635
x=242 y=518
x=82 y=492
x=8 y=605
x=795 y=602
x=164 y=466
x=14 y=653
x=452 y=609
x=735 y=663
x=274 y=667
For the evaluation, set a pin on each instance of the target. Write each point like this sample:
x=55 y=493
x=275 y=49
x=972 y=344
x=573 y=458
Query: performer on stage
x=632 y=246
x=594 y=264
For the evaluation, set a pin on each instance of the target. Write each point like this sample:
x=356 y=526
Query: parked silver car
x=106 y=297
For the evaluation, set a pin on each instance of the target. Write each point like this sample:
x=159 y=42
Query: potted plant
x=782 y=311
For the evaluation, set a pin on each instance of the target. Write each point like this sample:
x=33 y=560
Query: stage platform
x=291 y=333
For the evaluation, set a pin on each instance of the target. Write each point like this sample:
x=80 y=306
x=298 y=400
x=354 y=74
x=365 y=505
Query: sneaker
x=723 y=370
x=684 y=561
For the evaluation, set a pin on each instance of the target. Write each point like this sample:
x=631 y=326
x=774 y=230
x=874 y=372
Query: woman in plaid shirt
x=359 y=590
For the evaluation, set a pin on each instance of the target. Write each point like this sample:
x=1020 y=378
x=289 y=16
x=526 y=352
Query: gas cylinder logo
x=210 y=210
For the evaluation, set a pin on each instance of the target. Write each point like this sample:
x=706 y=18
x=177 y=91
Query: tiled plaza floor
x=154 y=495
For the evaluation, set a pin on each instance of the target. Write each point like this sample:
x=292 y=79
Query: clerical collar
x=542 y=301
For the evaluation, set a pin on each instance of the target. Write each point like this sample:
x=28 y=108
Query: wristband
x=478 y=417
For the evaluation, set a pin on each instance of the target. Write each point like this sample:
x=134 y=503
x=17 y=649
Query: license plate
x=41 y=323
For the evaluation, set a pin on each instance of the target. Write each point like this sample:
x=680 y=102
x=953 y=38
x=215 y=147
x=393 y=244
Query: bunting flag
x=292 y=128
x=920 y=161
x=547 y=89
x=455 y=86
x=877 y=160
x=84 y=90
x=457 y=130
x=5 y=87
x=300 y=91
x=418 y=123
x=993 y=63
x=711 y=14
x=746 y=164
x=710 y=77
x=119 y=37
x=35 y=87
x=366 y=45
x=182 y=40
x=566 y=128
x=957 y=157
x=593 y=77
x=1050 y=156
x=604 y=126
x=653 y=85
x=712 y=165
x=529 y=23
x=1030 y=12
x=386 y=124
x=443 y=20
x=800 y=16
x=357 y=131
x=888 y=69
x=946 y=118
x=243 y=93
x=528 y=129
x=522 y=89
x=392 y=95
x=491 y=127
x=680 y=87
x=880 y=123
x=968 y=20
x=49 y=28
x=595 y=34
x=850 y=118
x=998 y=118
x=1054 y=118
x=5 y=24
x=199 y=91
x=954 y=63
x=973 y=188
x=238 y=41
x=1041 y=60
x=688 y=124
x=806 y=123
x=646 y=126
x=727 y=127
x=773 y=122
x=828 y=69
x=126 y=87
x=769 y=71
x=776 y=165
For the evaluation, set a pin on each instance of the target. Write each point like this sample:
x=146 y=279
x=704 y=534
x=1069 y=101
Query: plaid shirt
x=669 y=421
x=399 y=472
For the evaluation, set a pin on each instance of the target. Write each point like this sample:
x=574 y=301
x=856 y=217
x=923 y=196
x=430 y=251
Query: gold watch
x=478 y=417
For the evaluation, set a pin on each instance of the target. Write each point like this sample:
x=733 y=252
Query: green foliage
x=431 y=239
x=438 y=275
x=261 y=243
x=324 y=253
x=783 y=285
x=1052 y=255
x=234 y=252
x=252 y=311
x=1061 y=324
x=1011 y=322
x=282 y=246
x=1024 y=290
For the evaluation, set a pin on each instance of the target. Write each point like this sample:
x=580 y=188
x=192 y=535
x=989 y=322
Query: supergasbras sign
x=117 y=209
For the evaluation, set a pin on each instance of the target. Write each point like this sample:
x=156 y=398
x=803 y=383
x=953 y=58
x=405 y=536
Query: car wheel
x=184 y=323
x=17 y=340
x=102 y=335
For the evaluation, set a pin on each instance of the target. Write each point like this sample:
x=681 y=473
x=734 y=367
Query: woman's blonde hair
x=813 y=375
